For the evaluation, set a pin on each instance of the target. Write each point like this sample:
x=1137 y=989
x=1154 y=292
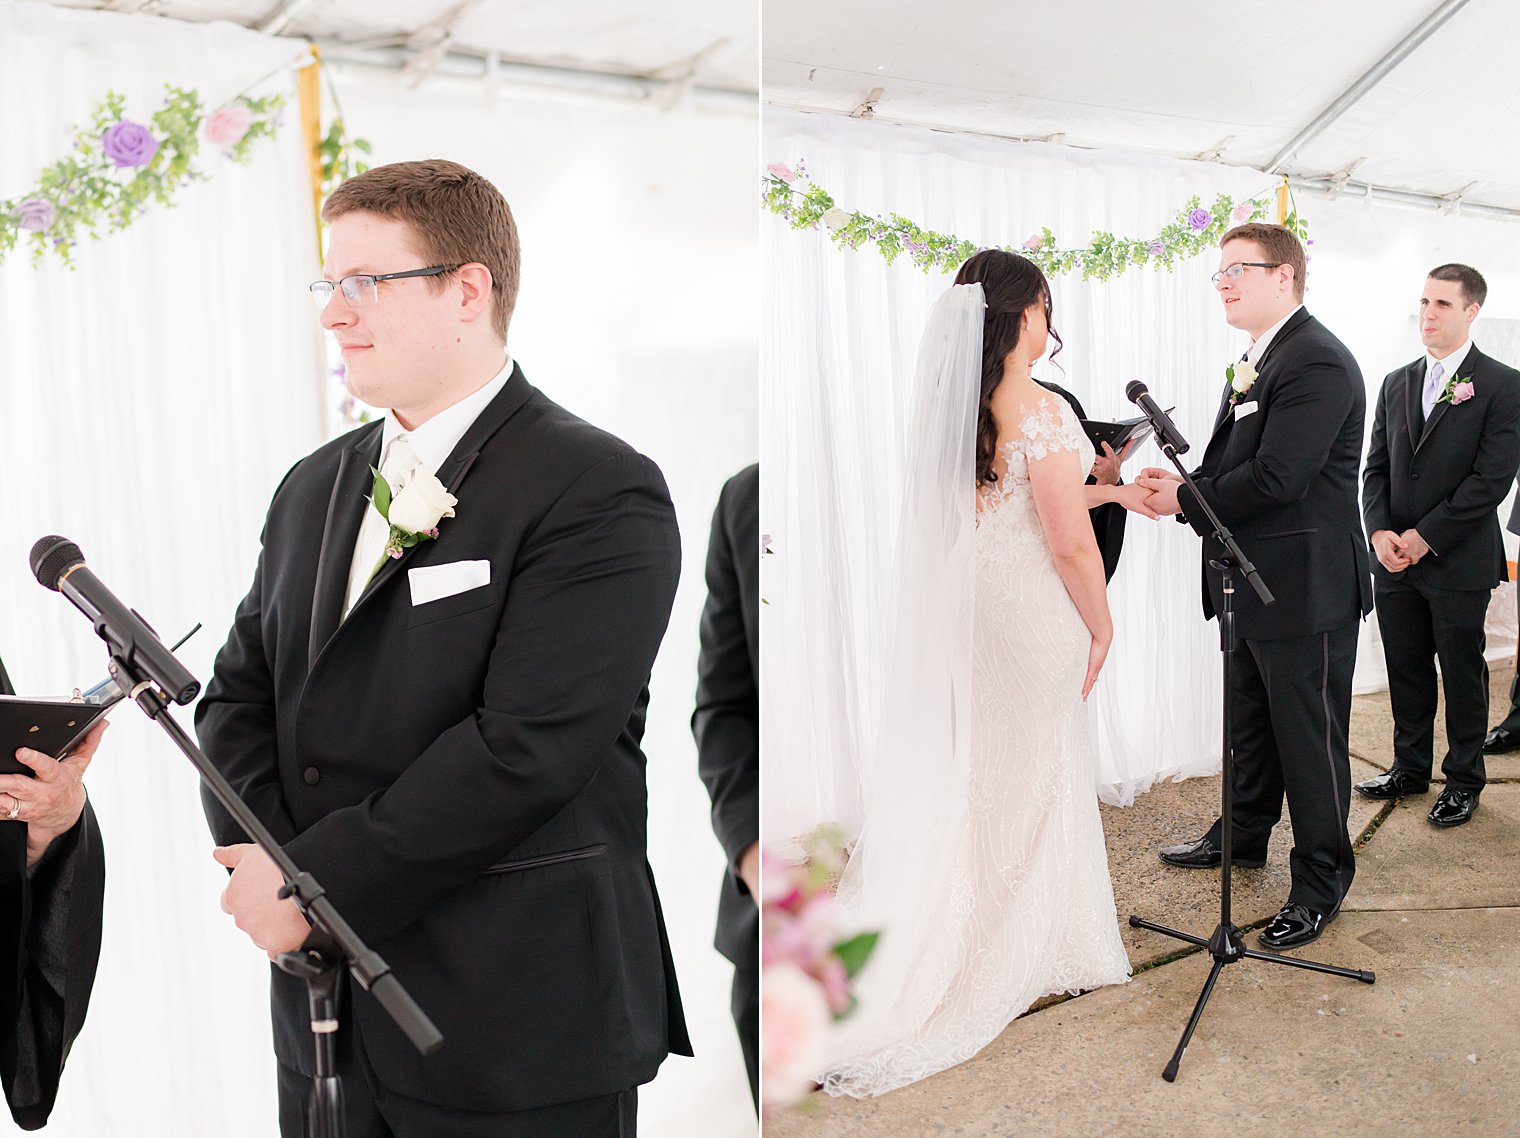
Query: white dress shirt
x=401 y=453
x=1449 y=367
x=1264 y=341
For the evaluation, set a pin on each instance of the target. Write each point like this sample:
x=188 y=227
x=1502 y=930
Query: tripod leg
x=1170 y=1073
x=1364 y=976
x=1175 y=934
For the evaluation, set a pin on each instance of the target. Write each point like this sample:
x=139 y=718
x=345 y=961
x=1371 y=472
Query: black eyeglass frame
x=333 y=287
x=1245 y=265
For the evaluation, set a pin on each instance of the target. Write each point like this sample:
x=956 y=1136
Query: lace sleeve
x=1044 y=431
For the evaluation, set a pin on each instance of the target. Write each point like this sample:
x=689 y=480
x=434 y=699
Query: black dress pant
x=1421 y=625
x=372 y=1111
x=745 y=1004
x=1291 y=707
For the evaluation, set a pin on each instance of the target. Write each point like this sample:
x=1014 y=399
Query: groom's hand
x=1163 y=491
x=1389 y=548
x=252 y=900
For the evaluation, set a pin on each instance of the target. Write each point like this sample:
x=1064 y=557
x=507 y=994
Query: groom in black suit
x=447 y=734
x=1280 y=470
x=1445 y=448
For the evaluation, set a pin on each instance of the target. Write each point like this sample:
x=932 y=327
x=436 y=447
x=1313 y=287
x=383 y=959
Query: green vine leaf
x=789 y=193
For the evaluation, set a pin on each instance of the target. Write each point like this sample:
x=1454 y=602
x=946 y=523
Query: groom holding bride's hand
x=1280 y=470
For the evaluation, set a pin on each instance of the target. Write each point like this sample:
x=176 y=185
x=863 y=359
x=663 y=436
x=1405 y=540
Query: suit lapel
x=1295 y=322
x=1438 y=412
x=452 y=474
x=345 y=510
x=1413 y=415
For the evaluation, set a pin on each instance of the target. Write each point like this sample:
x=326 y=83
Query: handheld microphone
x=58 y=564
x=1167 y=433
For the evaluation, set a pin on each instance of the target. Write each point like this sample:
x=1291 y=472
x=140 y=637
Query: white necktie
x=1433 y=386
x=396 y=467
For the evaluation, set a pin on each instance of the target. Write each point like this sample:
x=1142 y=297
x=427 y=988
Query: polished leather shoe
x=1501 y=742
x=1394 y=784
x=1204 y=854
x=1295 y=925
x=1453 y=807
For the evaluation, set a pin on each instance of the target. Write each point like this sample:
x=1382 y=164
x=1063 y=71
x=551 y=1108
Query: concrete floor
x=1433 y=1048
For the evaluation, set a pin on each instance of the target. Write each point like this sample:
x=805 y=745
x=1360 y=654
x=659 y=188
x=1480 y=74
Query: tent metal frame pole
x=1427 y=28
x=1351 y=191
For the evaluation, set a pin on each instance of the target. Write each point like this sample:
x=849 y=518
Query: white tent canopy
x=1238 y=85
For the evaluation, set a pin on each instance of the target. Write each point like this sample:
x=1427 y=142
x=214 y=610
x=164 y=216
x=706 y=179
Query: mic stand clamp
x=1227 y=943
x=333 y=941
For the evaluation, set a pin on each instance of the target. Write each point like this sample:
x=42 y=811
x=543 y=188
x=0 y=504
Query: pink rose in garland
x=128 y=144
x=36 y=214
x=1243 y=211
x=783 y=171
x=226 y=127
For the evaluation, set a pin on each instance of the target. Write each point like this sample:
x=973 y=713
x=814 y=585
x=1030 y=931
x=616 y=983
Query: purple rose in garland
x=1155 y=248
x=128 y=143
x=1199 y=220
x=35 y=214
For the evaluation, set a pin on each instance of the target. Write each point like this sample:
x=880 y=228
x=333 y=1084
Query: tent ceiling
x=712 y=44
x=1173 y=79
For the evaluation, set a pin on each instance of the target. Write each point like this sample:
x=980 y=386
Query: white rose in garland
x=413 y=512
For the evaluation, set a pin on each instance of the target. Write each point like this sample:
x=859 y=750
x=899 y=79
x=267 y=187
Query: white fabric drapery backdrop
x=840 y=333
x=155 y=396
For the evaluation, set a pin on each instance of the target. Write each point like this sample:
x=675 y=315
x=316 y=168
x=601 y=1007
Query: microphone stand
x=1227 y=943
x=333 y=942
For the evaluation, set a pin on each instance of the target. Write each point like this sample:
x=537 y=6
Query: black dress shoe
x=1204 y=854
x=1453 y=807
x=1501 y=742
x=1394 y=784
x=1295 y=925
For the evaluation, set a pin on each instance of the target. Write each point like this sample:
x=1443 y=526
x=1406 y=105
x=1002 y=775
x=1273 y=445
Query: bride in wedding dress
x=981 y=859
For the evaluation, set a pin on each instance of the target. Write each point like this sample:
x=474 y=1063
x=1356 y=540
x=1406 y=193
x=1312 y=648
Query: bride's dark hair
x=1010 y=284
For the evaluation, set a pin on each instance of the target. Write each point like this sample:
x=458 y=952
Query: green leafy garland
x=1194 y=229
x=118 y=167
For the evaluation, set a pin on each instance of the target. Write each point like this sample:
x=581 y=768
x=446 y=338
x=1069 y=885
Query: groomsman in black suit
x=52 y=888
x=1280 y=470
x=447 y=734
x=727 y=727
x=1506 y=737
x=1445 y=448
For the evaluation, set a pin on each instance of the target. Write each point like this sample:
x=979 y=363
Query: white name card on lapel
x=1244 y=409
x=434 y=582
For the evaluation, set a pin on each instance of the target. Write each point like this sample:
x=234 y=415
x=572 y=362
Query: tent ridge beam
x=1378 y=72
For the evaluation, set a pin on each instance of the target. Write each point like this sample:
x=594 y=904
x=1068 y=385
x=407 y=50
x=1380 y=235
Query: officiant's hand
x=1105 y=468
x=252 y=900
x=1137 y=498
x=1413 y=545
x=50 y=800
x=1163 y=491
x=1389 y=548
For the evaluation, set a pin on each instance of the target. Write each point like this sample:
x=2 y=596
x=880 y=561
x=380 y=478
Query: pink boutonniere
x=1457 y=390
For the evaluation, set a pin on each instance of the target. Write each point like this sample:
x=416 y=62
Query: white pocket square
x=1244 y=409
x=434 y=582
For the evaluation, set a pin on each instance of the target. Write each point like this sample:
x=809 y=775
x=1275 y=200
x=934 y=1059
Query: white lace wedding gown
x=1028 y=909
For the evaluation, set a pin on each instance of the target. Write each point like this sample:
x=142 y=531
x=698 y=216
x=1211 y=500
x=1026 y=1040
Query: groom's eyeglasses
x=1234 y=271
x=359 y=290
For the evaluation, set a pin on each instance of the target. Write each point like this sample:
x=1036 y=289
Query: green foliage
x=91 y=194
x=381 y=493
x=803 y=204
x=339 y=155
x=856 y=951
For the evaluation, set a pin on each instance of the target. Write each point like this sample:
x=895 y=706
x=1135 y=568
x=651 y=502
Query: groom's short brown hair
x=457 y=215
x=1280 y=245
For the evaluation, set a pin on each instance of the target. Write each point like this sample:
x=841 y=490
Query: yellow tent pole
x=310 y=87
x=1282 y=202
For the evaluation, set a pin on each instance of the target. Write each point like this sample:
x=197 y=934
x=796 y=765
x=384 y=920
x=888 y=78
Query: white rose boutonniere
x=413 y=512
x=1242 y=377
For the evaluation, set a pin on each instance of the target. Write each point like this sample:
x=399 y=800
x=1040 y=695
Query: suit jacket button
x=1412 y=474
x=311 y=775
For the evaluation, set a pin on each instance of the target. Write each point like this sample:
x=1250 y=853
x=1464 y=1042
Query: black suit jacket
x=1447 y=480
x=1284 y=479
x=1107 y=519
x=464 y=777
x=727 y=719
x=49 y=947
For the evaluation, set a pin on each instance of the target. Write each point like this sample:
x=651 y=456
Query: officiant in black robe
x=1107 y=518
x=51 y=894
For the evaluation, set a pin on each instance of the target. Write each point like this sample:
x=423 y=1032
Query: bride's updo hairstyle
x=1010 y=284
